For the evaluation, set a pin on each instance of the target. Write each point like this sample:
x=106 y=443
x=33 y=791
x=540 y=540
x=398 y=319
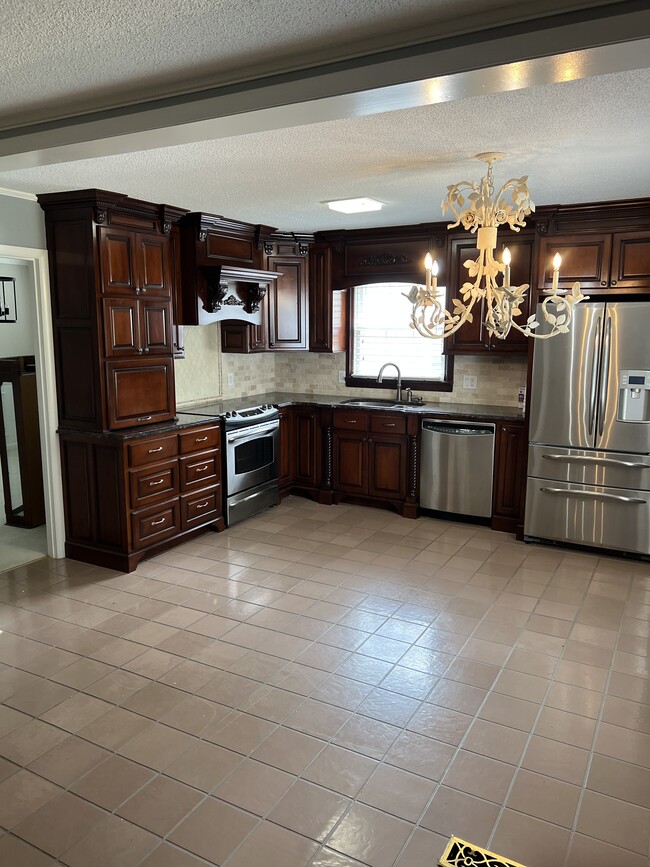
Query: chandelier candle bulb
x=434 y=271
x=427 y=268
x=506 y=274
x=557 y=261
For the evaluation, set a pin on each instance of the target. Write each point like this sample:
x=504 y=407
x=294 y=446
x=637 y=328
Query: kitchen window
x=380 y=332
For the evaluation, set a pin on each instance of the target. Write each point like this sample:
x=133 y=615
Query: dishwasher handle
x=455 y=429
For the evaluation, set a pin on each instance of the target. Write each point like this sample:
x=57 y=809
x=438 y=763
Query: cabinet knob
x=603 y=282
x=137 y=290
x=140 y=351
x=146 y=350
x=613 y=283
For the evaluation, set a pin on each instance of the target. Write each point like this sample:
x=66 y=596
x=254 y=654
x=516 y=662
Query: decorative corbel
x=216 y=292
x=255 y=296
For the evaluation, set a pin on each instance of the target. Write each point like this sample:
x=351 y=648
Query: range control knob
x=234 y=412
x=227 y=415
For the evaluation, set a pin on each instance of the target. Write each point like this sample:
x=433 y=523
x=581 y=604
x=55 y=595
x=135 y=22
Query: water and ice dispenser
x=633 y=395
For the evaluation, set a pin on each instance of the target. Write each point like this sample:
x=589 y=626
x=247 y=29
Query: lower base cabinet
x=509 y=476
x=130 y=495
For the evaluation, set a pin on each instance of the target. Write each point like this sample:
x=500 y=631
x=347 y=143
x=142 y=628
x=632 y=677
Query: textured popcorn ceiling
x=578 y=141
x=584 y=139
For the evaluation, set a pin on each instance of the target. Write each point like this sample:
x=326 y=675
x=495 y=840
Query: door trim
x=37 y=262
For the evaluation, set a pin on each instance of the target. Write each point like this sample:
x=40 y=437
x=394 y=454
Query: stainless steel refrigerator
x=589 y=449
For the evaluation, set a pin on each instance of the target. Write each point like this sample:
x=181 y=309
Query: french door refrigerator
x=589 y=432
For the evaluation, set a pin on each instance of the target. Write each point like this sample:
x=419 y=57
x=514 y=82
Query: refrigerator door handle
x=594 y=376
x=594 y=495
x=604 y=375
x=609 y=462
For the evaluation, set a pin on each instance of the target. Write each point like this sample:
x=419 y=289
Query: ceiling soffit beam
x=560 y=47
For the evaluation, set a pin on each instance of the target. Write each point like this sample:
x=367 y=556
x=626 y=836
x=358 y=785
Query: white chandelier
x=479 y=210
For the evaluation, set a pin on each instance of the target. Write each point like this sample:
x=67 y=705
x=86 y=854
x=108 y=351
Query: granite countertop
x=183 y=420
x=432 y=408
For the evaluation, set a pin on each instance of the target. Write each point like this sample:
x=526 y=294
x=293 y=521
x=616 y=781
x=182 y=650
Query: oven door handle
x=252 y=432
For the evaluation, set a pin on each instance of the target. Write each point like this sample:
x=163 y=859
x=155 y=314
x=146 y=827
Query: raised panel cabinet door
x=286 y=448
x=118 y=262
x=509 y=470
x=139 y=392
x=287 y=302
x=350 y=462
x=521 y=271
x=630 y=260
x=121 y=326
x=585 y=259
x=320 y=298
x=472 y=338
x=387 y=466
x=304 y=447
x=154 y=261
x=155 y=326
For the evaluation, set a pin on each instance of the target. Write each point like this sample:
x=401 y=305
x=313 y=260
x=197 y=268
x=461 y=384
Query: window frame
x=352 y=381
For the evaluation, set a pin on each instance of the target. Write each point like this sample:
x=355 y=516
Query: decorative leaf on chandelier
x=475 y=206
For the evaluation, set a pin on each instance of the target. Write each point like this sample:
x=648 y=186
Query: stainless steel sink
x=370 y=402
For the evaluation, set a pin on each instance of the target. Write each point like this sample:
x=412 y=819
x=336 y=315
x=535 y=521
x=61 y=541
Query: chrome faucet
x=380 y=377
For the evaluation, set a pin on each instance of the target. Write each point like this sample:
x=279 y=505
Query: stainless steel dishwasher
x=457 y=467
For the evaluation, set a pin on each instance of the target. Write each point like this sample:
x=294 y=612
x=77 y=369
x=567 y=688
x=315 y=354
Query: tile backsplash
x=203 y=374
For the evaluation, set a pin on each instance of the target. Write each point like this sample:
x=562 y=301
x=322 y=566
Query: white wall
x=19 y=338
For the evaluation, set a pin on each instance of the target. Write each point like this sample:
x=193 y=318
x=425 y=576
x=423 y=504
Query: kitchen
x=321 y=684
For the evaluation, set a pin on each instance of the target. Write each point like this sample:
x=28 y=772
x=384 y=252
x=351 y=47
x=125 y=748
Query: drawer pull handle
x=200 y=439
x=153 y=451
x=158 y=523
x=350 y=421
x=203 y=505
x=202 y=469
x=153 y=484
x=145 y=418
x=389 y=424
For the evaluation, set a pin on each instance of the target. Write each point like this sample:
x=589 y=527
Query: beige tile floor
x=327 y=686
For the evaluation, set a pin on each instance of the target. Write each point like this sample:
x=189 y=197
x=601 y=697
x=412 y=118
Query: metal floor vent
x=460 y=853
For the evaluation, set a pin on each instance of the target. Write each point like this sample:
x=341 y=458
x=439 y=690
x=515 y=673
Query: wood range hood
x=221 y=274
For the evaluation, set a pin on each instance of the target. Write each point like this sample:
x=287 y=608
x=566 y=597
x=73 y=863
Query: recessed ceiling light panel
x=355 y=206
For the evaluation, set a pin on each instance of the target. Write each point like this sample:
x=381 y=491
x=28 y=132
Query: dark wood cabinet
x=328 y=308
x=111 y=276
x=286 y=449
x=287 y=303
x=473 y=337
x=129 y=495
x=509 y=475
x=374 y=457
x=306 y=439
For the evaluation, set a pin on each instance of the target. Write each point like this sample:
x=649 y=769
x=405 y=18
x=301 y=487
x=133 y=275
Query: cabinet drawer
x=152 y=451
x=392 y=424
x=155 y=524
x=200 y=471
x=199 y=439
x=153 y=484
x=201 y=508
x=349 y=419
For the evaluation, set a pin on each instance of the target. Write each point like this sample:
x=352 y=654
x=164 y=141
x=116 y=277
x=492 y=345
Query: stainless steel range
x=251 y=458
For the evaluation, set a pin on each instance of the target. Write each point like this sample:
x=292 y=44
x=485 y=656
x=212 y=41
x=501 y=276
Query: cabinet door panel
x=585 y=258
x=121 y=326
x=139 y=392
x=521 y=271
x=156 y=326
x=155 y=275
x=118 y=262
x=304 y=446
x=286 y=447
x=472 y=337
x=350 y=463
x=631 y=260
x=509 y=470
x=288 y=304
x=387 y=467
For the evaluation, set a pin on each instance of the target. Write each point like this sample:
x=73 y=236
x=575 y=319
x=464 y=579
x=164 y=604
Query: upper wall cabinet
x=328 y=307
x=112 y=284
x=473 y=338
x=606 y=248
x=287 y=302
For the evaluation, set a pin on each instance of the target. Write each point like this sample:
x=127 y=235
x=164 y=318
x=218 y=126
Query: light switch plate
x=231 y=379
x=470 y=381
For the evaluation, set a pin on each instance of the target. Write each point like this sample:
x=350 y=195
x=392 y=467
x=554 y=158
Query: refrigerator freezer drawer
x=590 y=467
x=588 y=515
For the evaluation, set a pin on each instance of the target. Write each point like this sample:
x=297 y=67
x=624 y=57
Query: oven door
x=251 y=456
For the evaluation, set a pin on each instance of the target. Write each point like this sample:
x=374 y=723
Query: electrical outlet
x=521 y=394
x=231 y=379
x=342 y=376
x=470 y=381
